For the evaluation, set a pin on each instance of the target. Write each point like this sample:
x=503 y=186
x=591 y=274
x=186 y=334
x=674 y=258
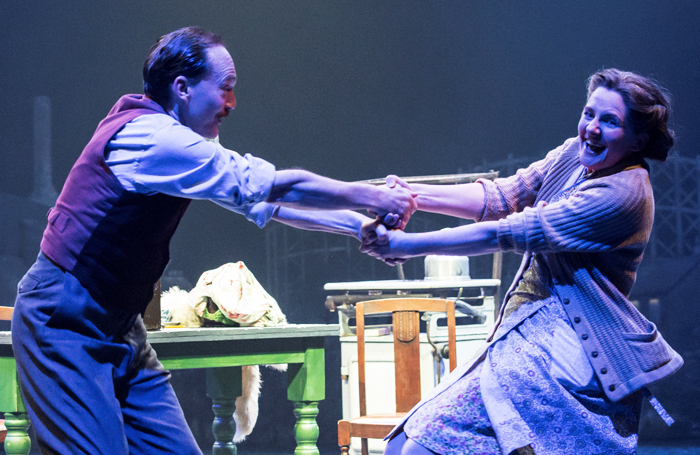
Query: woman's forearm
x=469 y=240
x=462 y=201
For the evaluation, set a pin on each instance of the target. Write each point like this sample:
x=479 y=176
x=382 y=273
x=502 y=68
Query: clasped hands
x=376 y=235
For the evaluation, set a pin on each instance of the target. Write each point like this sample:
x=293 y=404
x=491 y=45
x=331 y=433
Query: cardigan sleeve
x=508 y=195
x=603 y=214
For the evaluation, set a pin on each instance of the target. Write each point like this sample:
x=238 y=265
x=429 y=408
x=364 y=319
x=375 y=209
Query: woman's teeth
x=595 y=148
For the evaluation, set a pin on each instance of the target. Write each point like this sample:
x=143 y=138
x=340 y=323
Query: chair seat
x=379 y=419
x=375 y=426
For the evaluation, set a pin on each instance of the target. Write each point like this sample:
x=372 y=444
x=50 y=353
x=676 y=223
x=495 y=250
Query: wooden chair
x=5 y=315
x=406 y=329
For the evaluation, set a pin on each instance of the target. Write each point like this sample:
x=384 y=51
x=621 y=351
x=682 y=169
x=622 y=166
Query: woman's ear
x=641 y=142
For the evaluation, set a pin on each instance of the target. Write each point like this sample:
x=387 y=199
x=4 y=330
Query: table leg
x=306 y=428
x=223 y=387
x=17 y=441
x=307 y=386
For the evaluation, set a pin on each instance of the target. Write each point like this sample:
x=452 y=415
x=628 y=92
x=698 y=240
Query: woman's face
x=606 y=138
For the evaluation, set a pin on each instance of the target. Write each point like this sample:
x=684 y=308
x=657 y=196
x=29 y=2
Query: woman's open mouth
x=595 y=148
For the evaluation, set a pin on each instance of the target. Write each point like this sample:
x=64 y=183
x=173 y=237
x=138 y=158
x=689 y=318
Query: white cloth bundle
x=238 y=295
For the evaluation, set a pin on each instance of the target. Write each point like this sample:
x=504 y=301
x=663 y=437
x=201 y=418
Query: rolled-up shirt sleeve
x=156 y=154
x=260 y=213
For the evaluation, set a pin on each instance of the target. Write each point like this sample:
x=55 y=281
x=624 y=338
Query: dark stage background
x=351 y=90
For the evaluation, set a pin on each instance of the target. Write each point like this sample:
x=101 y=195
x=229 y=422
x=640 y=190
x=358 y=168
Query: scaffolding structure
x=676 y=231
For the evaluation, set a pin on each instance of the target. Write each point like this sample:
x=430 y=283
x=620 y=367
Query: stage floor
x=689 y=449
x=641 y=450
x=648 y=450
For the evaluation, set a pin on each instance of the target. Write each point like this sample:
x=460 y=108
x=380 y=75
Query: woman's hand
x=393 y=180
x=377 y=242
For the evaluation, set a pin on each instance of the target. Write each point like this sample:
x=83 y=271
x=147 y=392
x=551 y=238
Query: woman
x=566 y=367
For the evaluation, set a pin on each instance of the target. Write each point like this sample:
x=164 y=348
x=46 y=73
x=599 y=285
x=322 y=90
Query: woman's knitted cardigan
x=592 y=242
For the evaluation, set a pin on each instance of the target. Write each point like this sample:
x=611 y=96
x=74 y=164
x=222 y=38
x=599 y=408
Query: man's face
x=211 y=98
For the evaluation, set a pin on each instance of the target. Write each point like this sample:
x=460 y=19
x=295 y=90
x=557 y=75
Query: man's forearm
x=305 y=190
x=308 y=191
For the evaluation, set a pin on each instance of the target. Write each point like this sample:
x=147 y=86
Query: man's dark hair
x=182 y=52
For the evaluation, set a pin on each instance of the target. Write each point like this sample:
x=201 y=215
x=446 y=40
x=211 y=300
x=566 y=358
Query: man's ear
x=180 y=88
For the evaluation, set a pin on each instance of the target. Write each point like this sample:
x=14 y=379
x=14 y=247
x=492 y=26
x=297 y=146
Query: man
x=91 y=382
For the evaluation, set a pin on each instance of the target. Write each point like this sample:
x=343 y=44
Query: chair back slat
x=406 y=353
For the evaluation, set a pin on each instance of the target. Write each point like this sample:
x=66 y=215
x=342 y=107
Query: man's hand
x=373 y=231
x=398 y=205
x=396 y=190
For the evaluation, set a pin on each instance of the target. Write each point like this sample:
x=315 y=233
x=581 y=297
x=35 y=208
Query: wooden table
x=222 y=351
